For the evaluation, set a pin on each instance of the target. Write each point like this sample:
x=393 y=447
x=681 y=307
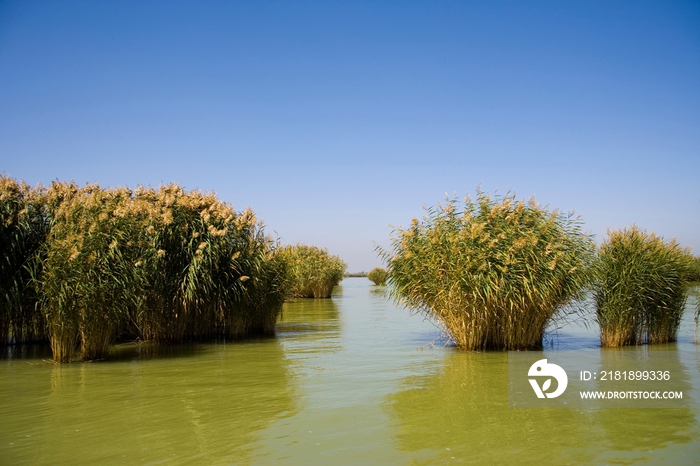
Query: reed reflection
x=642 y=431
x=206 y=408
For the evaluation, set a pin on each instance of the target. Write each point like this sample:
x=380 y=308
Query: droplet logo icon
x=542 y=369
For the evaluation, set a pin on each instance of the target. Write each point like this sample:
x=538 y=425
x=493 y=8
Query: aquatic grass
x=23 y=230
x=492 y=272
x=312 y=271
x=213 y=269
x=162 y=265
x=88 y=277
x=267 y=289
x=641 y=287
x=378 y=276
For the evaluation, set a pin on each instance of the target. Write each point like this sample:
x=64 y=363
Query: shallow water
x=350 y=380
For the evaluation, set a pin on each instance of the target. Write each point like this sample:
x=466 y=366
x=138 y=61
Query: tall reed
x=90 y=272
x=492 y=272
x=23 y=230
x=162 y=264
x=189 y=249
x=378 y=276
x=266 y=291
x=211 y=270
x=640 y=291
x=313 y=273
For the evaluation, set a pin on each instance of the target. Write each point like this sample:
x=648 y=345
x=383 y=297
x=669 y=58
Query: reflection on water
x=645 y=430
x=207 y=404
x=27 y=351
x=345 y=381
x=317 y=318
x=460 y=412
x=310 y=326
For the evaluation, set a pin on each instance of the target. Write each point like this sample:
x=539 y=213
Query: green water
x=351 y=380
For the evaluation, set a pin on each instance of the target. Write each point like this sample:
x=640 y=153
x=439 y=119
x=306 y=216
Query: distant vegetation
x=492 y=271
x=641 y=289
x=378 y=276
x=312 y=272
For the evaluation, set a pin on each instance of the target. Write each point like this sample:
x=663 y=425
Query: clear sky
x=334 y=120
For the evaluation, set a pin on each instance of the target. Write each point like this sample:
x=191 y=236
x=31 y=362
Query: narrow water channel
x=350 y=380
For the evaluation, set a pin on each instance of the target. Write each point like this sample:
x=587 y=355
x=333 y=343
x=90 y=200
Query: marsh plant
x=84 y=266
x=23 y=230
x=203 y=261
x=641 y=287
x=86 y=282
x=312 y=271
x=378 y=276
x=492 y=271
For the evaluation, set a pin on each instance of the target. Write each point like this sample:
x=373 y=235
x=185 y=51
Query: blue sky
x=334 y=120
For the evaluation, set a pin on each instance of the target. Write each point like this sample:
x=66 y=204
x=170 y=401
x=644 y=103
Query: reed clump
x=23 y=230
x=312 y=271
x=202 y=260
x=85 y=266
x=493 y=271
x=378 y=276
x=88 y=275
x=641 y=287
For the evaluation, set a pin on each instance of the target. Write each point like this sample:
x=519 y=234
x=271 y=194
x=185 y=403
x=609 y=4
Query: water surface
x=350 y=380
